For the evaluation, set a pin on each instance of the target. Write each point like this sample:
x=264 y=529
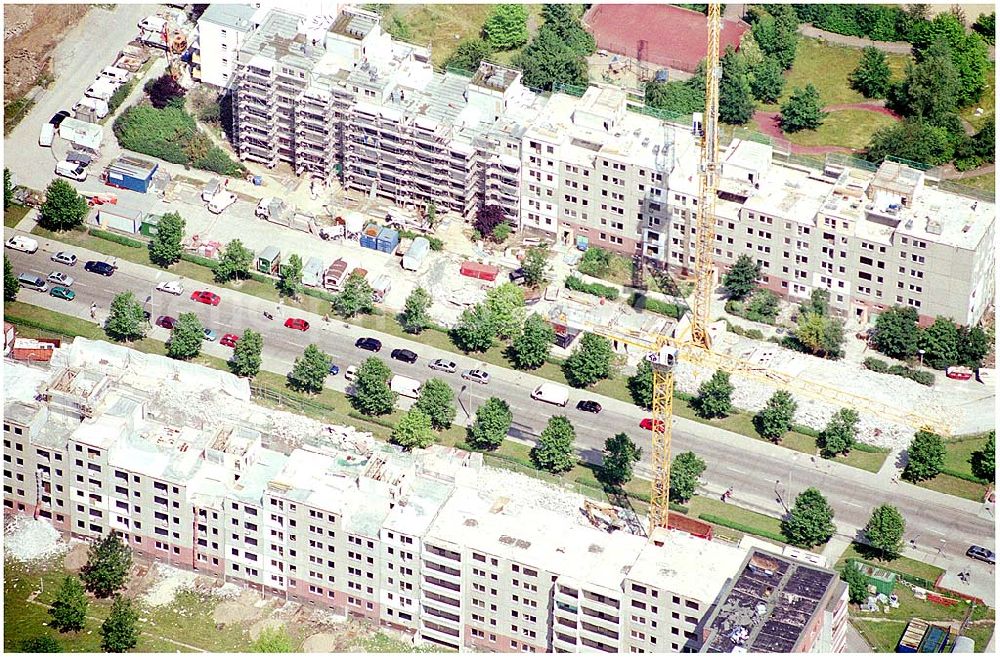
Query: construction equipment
x=603 y=517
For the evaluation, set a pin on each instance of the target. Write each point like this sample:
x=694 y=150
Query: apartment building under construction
x=175 y=459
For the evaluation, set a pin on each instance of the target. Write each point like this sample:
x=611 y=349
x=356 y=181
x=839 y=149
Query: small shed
x=883 y=580
x=119 y=218
x=131 y=174
x=150 y=225
x=269 y=260
x=416 y=254
x=335 y=275
x=480 y=270
x=312 y=272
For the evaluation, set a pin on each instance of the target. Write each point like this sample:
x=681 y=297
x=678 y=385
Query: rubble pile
x=29 y=540
x=524 y=493
x=168 y=582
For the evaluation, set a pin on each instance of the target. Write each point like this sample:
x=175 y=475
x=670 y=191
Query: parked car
x=647 y=424
x=368 y=343
x=206 y=297
x=66 y=258
x=334 y=369
x=172 y=287
x=297 y=324
x=404 y=355
x=99 y=267
x=229 y=340
x=60 y=278
x=351 y=371
x=166 y=322
x=210 y=189
x=221 y=202
x=443 y=365
x=62 y=293
x=589 y=406
x=476 y=375
x=71 y=170
x=210 y=334
x=34 y=282
x=981 y=554
x=22 y=244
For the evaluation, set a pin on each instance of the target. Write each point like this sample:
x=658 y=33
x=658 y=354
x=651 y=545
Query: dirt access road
x=31 y=33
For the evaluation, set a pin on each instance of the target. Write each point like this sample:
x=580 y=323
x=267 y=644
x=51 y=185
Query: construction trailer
x=380 y=288
x=34 y=350
x=884 y=581
x=119 y=218
x=416 y=254
x=150 y=225
x=312 y=272
x=130 y=174
x=479 y=270
x=269 y=260
x=82 y=135
x=335 y=275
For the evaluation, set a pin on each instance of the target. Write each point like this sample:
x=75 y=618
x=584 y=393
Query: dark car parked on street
x=981 y=554
x=368 y=343
x=404 y=355
x=99 y=267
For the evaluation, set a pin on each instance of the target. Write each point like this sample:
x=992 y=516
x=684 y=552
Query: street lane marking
x=738 y=471
x=851 y=503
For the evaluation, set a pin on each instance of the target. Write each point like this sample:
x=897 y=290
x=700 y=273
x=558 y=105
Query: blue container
x=582 y=243
x=387 y=240
x=369 y=238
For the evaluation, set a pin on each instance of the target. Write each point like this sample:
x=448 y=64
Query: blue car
x=210 y=335
x=334 y=369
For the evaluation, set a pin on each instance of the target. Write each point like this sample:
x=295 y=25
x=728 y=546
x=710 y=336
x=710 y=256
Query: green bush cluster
x=878 y=22
x=921 y=377
x=742 y=331
x=641 y=302
x=120 y=95
x=115 y=238
x=576 y=284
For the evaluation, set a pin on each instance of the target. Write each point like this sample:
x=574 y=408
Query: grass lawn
x=987 y=101
x=827 y=67
x=863 y=460
x=986 y=182
x=882 y=636
x=901 y=564
x=700 y=505
x=955 y=486
x=911 y=607
x=14 y=214
x=960 y=450
x=848 y=128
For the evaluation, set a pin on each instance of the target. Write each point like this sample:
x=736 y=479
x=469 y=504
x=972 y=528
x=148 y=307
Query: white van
x=551 y=393
x=405 y=386
x=115 y=74
x=22 y=244
x=73 y=170
x=97 y=105
x=102 y=88
x=46 y=135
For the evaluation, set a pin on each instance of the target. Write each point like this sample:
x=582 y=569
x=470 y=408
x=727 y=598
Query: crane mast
x=664 y=358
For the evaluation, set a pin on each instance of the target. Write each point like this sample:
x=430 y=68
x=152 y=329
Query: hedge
x=199 y=260
x=963 y=476
x=805 y=430
x=576 y=284
x=867 y=448
x=878 y=366
x=120 y=95
x=115 y=238
x=641 y=302
x=748 y=333
x=736 y=526
x=322 y=295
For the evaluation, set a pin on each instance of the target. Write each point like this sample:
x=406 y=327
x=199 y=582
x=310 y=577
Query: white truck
x=551 y=393
x=405 y=386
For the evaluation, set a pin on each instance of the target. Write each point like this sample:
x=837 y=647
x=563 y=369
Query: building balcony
x=564 y=643
x=439 y=615
x=440 y=586
x=598 y=634
x=600 y=604
x=444 y=602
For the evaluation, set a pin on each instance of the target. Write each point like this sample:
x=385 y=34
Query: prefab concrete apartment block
x=131 y=174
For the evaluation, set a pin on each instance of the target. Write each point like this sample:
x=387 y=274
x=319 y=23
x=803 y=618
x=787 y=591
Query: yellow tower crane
x=664 y=358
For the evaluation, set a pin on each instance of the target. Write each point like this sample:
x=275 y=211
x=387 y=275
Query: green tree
x=505 y=305
x=810 y=521
x=40 y=644
x=939 y=343
x=489 y=429
x=534 y=266
x=548 y=60
x=69 y=608
x=839 y=434
x=469 y=54
x=64 y=208
x=775 y=419
x=911 y=139
x=165 y=247
x=372 y=394
x=274 y=640
x=8 y=189
x=776 y=34
x=736 y=104
x=108 y=563
x=741 y=279
x=501 y=232
x=968 y=50
x=767 y=82
x=437 y=400
x=857 y=582
x=163 y=90
x=715 y=396
x=126 y=321
x=821 y=334
x=11 y=286
x=289 y=282
x=355 y=298
x=640 y=385
x=685 y=471
x=681 y=97
x=564 y=20
x=234 y=263
x=475 y=330
x=973 y=346
x=120 y=631
x=872 y=75
x=986 y=26
x=246 y=359
x=762 y=307
x=620 y=456
x=506 y=27
x=531 y=347
x=590 y=362
x=925 y=456
x=984 y=460
x=932 y=86
x=885 y=531
x=415 y=318
x=310 y=370
x=896 y=332
x=186 y=337
x=554 y=450
x=413 y=430
x=819 y=302
x=803 y=110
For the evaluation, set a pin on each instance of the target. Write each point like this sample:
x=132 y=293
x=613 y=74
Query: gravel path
x=897 y=47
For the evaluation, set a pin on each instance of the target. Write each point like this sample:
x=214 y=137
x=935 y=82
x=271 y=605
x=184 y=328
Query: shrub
x=119 y=96
x=576 y=284
x=875 y=364
x=643 y=303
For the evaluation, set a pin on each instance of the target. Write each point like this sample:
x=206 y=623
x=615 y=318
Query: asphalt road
x=763 y=476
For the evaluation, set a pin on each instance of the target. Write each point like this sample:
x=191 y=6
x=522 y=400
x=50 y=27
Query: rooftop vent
x=506 y=540
x=760 y=609
x=522 y=544
x=595 y=549
x=471 y=522
x=934 y=227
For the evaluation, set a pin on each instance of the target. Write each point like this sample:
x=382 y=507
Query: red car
x=647 y=424
x=166 y=322
x=206 y=297
x=229 y=340
x=297 y=323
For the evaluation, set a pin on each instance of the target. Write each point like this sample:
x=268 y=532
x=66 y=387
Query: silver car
x=443 y=365
x=476 y=375
x=66 y=258
x=60 y=278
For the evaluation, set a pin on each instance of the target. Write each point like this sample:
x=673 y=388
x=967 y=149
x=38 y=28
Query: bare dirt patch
x=31 y=33
x=248 y=606
x=76 y=558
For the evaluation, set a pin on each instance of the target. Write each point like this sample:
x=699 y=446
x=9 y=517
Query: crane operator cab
x=664 y=358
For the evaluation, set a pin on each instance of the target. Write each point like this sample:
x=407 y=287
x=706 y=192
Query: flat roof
x=687 y=564
x=237 y=17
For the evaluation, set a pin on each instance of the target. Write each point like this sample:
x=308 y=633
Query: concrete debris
x=226 y=591
x=28 y=540
x=168 y=582
x=521 y=493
